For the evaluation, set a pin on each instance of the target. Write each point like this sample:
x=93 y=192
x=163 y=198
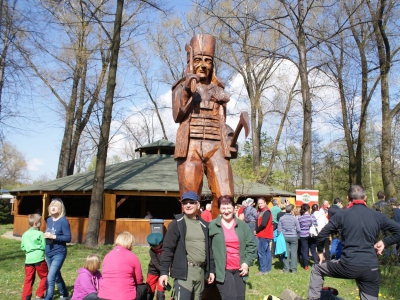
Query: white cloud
x=34 y=163
x=142 y=119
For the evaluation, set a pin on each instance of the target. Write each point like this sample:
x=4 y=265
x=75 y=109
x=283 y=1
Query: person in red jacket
x=206 y=214
x=153 y=274
x=265 y=233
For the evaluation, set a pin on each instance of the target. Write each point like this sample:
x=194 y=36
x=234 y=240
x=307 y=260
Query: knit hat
x=249 y=201
x=154 y=239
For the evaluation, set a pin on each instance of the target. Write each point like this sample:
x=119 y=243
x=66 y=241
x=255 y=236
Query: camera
x=167 y=286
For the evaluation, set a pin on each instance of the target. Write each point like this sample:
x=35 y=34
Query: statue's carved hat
x=202 y=44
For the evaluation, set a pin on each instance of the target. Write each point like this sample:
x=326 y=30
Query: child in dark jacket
x=153 y=273
x=87 y=283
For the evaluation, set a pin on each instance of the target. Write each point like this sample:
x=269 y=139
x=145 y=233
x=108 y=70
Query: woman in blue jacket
x=57 y=235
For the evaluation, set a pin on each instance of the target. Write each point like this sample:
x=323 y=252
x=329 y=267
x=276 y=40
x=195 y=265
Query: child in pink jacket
x=87 y=283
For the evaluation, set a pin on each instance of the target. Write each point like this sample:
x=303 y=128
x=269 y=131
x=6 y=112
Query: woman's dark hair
x=225 y=199
x=315 y=207
x=304 y=208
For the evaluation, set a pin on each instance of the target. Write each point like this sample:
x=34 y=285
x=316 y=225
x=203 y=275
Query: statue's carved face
x=203 y=66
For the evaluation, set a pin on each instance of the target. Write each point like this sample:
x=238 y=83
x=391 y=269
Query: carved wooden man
x=203 y=141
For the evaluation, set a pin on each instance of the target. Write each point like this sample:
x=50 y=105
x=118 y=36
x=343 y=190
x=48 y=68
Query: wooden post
x=109 y=206
x=15 y=204
x=142 y=206
x=45 y=205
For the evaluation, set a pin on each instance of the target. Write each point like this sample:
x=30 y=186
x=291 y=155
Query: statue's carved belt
x=204 y=128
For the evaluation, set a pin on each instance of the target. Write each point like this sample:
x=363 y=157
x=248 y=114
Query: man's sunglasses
x=189 y=202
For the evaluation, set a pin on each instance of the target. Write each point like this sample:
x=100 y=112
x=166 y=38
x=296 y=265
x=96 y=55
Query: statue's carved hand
x=221 y=97
x=189 y=78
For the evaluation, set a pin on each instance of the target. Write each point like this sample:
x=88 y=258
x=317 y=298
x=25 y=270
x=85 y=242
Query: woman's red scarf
x=356 y=202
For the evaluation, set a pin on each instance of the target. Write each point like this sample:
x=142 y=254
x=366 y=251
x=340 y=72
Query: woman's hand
x=244 y=269
x=49 y=235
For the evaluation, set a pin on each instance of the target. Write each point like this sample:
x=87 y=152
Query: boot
x=150 y=296
x=160 y=295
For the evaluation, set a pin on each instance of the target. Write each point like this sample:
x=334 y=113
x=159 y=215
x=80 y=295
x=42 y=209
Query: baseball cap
x=190 y=196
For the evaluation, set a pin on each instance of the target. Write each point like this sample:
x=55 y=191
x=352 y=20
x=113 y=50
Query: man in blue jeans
x=290 y=228
x=265 y=233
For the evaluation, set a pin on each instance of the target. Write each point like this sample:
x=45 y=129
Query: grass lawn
x=12 y=274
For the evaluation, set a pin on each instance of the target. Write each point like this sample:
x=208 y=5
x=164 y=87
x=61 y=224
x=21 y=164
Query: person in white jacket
x=322 y=220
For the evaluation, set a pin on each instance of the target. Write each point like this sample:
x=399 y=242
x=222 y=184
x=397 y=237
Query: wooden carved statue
x=204 y=142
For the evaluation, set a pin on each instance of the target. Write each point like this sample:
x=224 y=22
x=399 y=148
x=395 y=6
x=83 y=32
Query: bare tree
x=290 y=97
x=344 y=54
x=248 y=51
x=167 y=43
x=13 y=167
x=76 y=61
x=142 y=62
x=14 y=103
x=381 y=14
x=96 y=201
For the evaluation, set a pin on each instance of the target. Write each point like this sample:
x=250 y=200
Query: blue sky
x=40 y=140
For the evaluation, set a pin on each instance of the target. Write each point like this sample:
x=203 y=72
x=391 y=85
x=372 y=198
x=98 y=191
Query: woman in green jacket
x=234 y=251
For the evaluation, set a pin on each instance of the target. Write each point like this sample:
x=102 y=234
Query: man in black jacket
x=337 y=206
x=187 y=251
x=359 y=227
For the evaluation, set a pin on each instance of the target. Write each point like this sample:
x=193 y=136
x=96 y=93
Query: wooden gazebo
x=131 y=188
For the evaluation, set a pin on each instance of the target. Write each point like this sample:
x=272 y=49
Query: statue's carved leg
x=190 y=171
x=219 y=173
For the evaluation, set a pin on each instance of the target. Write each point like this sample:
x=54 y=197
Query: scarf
x=262 y=210
x=95 y=282
x=357 y=201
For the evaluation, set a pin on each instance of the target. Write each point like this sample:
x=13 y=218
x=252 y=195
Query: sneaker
x=306 y=268
x=38 y=298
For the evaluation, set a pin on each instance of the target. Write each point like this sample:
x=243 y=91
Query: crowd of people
x=195 y=252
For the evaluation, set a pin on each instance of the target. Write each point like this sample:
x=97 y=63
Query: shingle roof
x=155 y=172
x=158 y=144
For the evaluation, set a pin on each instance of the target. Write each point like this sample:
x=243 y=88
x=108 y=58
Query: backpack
x=329 y=293
x=336 y=248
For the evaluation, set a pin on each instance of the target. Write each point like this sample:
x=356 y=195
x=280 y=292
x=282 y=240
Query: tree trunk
x=69 y=128
x=278 y=135
x=80 y=120
x=2 y=69
x=255 y=136
x=307 y=107
x=96 y=201
x=384 y=55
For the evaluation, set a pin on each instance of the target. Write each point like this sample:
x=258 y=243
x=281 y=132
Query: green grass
x=12 y=274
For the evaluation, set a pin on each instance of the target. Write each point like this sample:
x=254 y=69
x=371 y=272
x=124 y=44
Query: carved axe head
x=244 y=120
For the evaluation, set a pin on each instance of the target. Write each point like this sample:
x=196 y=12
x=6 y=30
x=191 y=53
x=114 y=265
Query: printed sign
x=309 y=197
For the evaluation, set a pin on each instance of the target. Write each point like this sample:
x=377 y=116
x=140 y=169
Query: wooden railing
x=109 y=230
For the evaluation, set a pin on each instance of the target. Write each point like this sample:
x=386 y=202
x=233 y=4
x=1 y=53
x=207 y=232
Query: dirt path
x=9 y=235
